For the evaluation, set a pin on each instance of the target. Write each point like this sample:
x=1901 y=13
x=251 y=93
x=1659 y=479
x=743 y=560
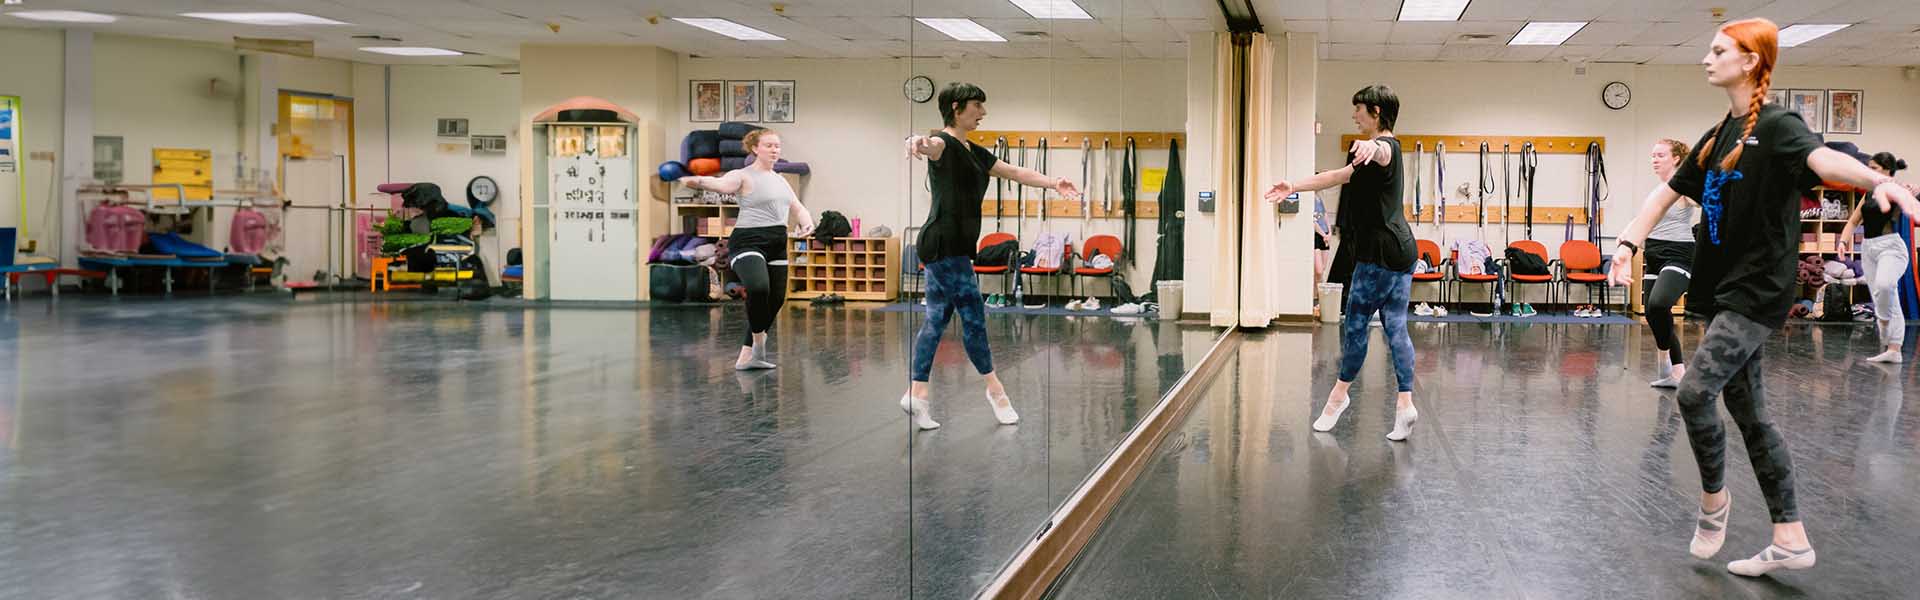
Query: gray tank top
x=766 y=204
x=1676 y=225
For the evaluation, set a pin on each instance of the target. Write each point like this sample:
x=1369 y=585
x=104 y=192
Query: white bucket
x=1330 y=302
x=1170 y=294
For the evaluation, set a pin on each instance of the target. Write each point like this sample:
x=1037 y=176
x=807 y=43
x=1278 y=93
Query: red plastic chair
x=1066 y=258
x=1098 y=245
x=1489 y=279
x=994 y=239
x=1536 y=249
x=1580 y=263
x=1430 y=252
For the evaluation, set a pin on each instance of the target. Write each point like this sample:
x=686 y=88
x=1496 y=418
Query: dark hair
x=1381 y=100
x=956 y=96
x=1888 y=162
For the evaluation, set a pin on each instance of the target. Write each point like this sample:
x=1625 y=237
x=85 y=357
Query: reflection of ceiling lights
x=1546 y=33
x=1432 y=10
x=272 y=19
x=1052 y=9
x=964 y=30
x=411 y=51
x=732 y=30
x=63 y=16
x=1803 y=33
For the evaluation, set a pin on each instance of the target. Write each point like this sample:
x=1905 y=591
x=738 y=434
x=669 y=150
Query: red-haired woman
x=1747 y=173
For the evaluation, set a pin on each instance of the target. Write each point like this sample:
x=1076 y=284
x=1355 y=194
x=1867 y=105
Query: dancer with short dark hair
x=1884 y=259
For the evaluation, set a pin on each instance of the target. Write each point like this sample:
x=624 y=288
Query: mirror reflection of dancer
x=758 y=246
x=1669 y=256
x=1373 y=224
x=1748 y=173
x=958 y=171
x=1884 y=259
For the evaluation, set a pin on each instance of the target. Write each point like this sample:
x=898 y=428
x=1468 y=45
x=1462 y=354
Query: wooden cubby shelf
x=856 y=268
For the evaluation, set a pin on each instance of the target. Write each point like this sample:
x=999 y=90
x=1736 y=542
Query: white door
x=596 y=242
x=313 y=186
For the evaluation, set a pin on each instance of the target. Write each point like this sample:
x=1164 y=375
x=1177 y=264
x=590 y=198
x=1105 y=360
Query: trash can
x=1170 y=294
x=1330 y=302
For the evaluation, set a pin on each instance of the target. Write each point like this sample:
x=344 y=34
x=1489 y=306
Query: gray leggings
x=1727 y=363
x=1885 y=260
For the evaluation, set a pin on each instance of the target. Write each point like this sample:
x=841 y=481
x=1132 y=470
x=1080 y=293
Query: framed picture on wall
x=777 y=101
x=1844 y=109
x=743 y=101
x=706 y=101
x=1777 y=97
x=1811 y=104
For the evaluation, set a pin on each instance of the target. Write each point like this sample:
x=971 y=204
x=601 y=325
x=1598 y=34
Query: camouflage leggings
x=1727 y=363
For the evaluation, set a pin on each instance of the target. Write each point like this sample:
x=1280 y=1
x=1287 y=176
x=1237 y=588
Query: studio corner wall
x=638 y=78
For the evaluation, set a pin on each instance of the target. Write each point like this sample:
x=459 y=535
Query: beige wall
x=33 y=71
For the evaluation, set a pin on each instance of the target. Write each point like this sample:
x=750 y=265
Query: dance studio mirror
x=1076 y=270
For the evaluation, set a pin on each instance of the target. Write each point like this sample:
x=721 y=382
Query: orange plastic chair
x=1430 y=252
x=1536 y=249
x=1580 y=263
x=1098 y=245
x=994 y=239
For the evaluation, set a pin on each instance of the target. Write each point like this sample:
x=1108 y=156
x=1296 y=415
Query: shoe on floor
x=1074 y=305
x=1528 y=309
x=1326 y=422
x=1006 y=416
x=1128 y=309
x=1403 y=423
x=1423 y=310
x=1090 y=304
x=1710 y=531
x=1772 y=558
x=1439 y=311
x=917 y=408
x=1516 y=311
x=1890 y=356
x=1668 y=379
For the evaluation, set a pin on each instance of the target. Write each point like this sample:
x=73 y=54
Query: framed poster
x=777 y=101
x=1844 y=109
x=1777 y=97
x=707 y=102
x=743 y=101
x=1811 y=104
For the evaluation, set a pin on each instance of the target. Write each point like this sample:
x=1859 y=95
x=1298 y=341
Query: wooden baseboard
x=1034 y=568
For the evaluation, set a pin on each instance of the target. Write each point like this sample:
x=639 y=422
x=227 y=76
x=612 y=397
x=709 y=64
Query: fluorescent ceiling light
x=1546 y=33
x=1432 y=10
x=964 y=30
x=411 y=51
x=273 y=19
x=1052 y=9
x=732 y=30
x=1803 y=33
x=64 y=16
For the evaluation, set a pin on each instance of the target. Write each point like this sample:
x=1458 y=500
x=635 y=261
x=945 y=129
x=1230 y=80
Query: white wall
x=33 y=71
x=491 y=103
x=157 y=94
x=851 y=116
x=1549 y=99
x=1202 y=58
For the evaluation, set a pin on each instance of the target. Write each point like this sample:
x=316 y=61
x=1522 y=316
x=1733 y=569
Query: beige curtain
x=1260 y=269
x=1226 y=154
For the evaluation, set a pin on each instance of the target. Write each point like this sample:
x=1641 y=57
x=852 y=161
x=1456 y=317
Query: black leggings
x=766 y=292
x=1727 y=364
x=1665 y=292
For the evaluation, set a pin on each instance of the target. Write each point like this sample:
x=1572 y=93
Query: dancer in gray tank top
x=758 y=246
x=1669 y=260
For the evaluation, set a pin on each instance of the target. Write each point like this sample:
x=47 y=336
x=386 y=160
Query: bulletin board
x=188 y=167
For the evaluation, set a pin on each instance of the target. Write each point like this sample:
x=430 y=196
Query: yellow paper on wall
x=192 y=168
x=1151 y=180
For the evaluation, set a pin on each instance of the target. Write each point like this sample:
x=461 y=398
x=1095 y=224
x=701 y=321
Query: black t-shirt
x=1877 y=223
x=1748 y=239
x=959 y=181
x=1371 y=219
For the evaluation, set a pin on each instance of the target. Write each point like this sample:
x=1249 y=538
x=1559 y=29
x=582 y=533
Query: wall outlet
x=43 y=155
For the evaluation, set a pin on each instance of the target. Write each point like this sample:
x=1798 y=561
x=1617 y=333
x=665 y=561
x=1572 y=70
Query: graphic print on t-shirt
x=1717 y=181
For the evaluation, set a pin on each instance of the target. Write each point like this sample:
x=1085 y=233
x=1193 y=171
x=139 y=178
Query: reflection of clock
x=483 y=191
x=1616 y=95
x=919 y=88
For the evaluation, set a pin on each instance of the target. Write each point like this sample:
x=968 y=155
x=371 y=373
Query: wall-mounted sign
x=109 y=158
x=489 y=144
x=452 y=128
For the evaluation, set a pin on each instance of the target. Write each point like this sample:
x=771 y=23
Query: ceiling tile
x=1421 y=32
x=1631 y=54
x=1359 y=32
x=1359 y=52
x=1414 y=52
x=1608 y=34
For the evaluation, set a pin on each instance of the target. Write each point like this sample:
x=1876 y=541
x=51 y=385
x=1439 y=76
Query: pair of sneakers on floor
x=923 y=419
x=1091 y=303
x=1430 y=310
x=1523 y=310
x=997 y=301
x=1589 y=311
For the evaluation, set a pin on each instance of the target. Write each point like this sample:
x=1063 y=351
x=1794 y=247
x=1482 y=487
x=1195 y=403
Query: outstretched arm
x=1030 y=177
x=1831 y=165
x=1635 y=237
x=724 y=184
x=1319 y=181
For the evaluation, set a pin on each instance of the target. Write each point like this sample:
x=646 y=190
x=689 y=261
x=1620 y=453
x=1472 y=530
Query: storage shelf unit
x=1825 y=232
x=854 y=268
x=707 y=220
